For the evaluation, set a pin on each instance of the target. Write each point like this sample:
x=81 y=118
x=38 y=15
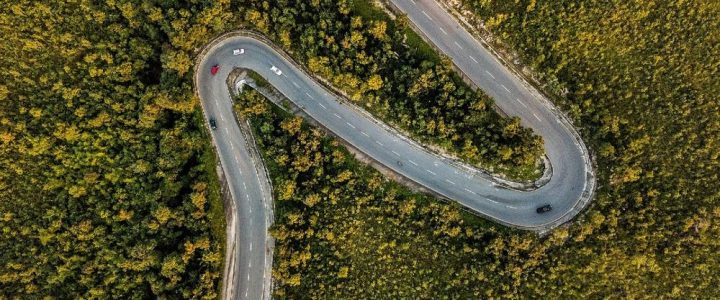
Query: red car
x=214 y=69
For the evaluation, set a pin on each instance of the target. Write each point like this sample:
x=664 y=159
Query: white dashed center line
x=363 y=133
x=536 y=117
x=295 y=84
x=379 y=143
x=393 y=151
x=424 y=13
x=473 y=59
x=443 y=30
x=456 y=44
x=502 y=85
x=431 y=172
x=323 y=106
x=523 y=104
x=351 y=125
x=491 y=75
x=469 y=191
x=338 y=116
x=448 y=180
x=311 y=97
x=412 y=162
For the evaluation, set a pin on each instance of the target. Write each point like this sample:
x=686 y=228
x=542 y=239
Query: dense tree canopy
x=107 y=186
x=383 y=66
x=641 y=77
x=106 y=178
x=343 y=231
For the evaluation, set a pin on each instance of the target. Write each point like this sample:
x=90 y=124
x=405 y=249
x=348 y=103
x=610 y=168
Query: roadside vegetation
x=108 y=187
x=384 y=67
x=107 y=177
x=641 y=79
x=344 y=231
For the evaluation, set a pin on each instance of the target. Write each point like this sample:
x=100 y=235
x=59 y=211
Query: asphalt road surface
x=568 y=189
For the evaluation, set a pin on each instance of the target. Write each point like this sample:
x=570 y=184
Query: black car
x=544 y=209
x=213 y=124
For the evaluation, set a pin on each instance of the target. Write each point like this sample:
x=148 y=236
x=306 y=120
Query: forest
x=652 y=124
x=344 y=231
x=108 y=185
x=641 y=80
x=384 y=67
x=107 y=181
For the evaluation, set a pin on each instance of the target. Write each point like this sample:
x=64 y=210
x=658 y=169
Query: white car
x=276 y=70
x=238 y=51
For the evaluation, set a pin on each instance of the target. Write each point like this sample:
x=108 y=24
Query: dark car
x=213 y=124
x=544 y=209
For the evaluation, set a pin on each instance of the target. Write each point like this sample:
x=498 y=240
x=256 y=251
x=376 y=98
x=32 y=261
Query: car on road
x=213 y=124
x=214 y=69
x=543 y=209
x=276 y=70
x=238 y=51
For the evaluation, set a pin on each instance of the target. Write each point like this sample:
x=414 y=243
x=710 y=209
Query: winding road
x=248 y=268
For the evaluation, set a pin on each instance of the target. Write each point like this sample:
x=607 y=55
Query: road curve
x=568 y=190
